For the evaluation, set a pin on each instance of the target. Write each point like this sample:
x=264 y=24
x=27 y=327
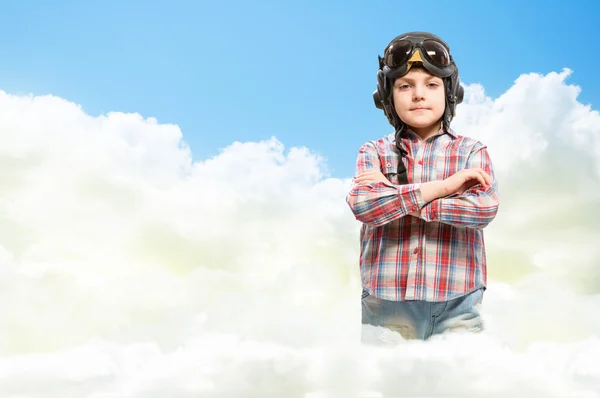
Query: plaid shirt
x=439 y=255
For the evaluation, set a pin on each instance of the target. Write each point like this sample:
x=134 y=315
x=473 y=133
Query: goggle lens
x=398 y=53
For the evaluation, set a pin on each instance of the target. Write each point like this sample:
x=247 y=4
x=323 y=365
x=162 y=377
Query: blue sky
x=301 y=71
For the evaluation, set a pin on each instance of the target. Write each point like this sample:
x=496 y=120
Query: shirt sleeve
x=378 y=203
x=476 y=207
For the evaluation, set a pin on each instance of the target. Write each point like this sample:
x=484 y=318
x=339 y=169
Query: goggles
x=403 y=52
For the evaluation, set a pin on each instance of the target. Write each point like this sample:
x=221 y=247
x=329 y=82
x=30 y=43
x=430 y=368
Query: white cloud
x=546 y=150
x=127 y=270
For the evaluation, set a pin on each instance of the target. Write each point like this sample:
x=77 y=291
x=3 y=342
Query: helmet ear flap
x=381 y=96
x=454 y=94
x=382 y=90
x=460 y=92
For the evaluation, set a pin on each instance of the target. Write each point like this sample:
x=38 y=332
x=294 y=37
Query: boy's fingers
x=477 y=176
x=487 y=177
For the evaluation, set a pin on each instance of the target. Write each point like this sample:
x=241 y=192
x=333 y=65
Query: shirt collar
x=450 y=132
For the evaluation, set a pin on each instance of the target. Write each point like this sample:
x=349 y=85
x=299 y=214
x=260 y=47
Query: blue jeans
x=419 y=319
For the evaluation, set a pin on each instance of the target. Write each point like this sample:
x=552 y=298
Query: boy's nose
x=418 y=92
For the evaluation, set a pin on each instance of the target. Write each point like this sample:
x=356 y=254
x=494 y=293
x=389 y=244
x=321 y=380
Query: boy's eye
x=403 y=86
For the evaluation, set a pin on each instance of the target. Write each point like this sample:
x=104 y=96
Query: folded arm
x=380 y=202
x=476 y=207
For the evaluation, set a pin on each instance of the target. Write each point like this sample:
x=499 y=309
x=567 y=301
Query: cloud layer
x=127 y=270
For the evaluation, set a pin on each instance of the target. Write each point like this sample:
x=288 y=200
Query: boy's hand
x=371 y=175
x=465 y=179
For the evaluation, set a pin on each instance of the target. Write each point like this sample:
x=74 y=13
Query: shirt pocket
x=389 y=168
x=447 y=164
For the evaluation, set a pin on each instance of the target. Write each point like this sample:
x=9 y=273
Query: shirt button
x=414 y=208
x=388 y=165
x=420 y=162
x=416 y=250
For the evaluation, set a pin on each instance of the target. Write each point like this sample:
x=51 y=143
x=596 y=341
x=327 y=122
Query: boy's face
x=419 y=98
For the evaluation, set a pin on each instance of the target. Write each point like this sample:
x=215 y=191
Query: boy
x=424 y=195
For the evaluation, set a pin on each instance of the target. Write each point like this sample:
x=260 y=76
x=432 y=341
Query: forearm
x=475 y=209
x=380 y=203
x=433 y=190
